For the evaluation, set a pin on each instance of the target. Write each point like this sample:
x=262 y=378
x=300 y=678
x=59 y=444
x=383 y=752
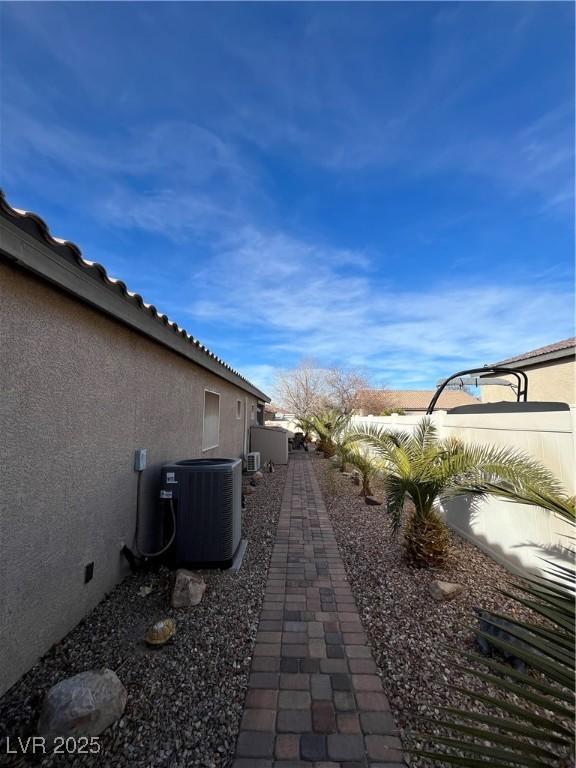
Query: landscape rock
x=445 y=590
x=372 y=501
x=185 y=700
x=83 y=705
x=160 y=632
x=258 y=475
x=188 y=589
x=248 y=489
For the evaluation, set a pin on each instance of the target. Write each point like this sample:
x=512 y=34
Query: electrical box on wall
x=140 y=459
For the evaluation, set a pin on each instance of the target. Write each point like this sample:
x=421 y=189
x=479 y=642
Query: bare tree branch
x=309 y=389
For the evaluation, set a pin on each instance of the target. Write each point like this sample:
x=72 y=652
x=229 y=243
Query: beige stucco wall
x=79 y=393
x=550 y=382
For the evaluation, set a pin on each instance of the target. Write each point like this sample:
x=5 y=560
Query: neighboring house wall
x=515 y=535
x=549 y=382
x=81 y=392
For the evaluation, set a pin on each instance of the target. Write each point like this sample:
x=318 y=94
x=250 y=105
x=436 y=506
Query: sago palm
x=424 y=469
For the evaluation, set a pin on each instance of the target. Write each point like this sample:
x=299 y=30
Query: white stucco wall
x=79 y=393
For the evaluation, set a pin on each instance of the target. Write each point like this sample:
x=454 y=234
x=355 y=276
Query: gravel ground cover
x=184 y=700
x=408 y=630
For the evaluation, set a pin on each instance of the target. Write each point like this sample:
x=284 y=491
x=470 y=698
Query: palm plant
x=329 y=425
x=362 y=461
x=344 y=446
x=424 y=469
x=522 y=736
x=306 y=425
x=559 y=503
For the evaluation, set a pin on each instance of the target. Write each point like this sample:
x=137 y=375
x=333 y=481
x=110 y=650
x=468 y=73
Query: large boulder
x=188 y=589
x=83 y=705
x=445 y=590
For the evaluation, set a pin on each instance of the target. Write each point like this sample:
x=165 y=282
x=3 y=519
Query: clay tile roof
x=35 y=226
x=415 y=399
x=558 y=346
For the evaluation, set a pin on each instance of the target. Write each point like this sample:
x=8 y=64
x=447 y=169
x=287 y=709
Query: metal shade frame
x=521 y=378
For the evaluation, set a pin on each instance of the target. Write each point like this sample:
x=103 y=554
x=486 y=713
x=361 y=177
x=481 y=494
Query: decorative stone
x=83 y=705
x=372 y=501
x=188 y=589
x=355 y=478
x=248 y=489
x=445 y=590
x=161 y=632
x=258 y=475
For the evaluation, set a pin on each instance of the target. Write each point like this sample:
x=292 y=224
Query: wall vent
x=253 y=461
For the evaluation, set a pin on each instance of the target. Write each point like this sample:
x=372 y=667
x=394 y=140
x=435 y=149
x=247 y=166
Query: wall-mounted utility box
x=271 y=443
x=140 y=459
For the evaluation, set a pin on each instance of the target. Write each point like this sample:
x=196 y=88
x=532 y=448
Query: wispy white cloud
x=404 y=337
x=327 y=95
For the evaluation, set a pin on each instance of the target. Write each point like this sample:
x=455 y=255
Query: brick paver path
x=314 y=695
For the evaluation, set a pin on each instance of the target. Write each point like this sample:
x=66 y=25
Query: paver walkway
x=314 y=695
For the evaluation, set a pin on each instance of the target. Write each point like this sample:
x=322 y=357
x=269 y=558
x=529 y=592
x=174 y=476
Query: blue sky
x=385 y=186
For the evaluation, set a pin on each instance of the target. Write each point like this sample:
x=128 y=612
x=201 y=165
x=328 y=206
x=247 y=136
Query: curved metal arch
x=521 y=378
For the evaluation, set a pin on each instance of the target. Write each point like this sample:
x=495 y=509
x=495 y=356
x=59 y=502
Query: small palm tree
x=329 y=425
x=366 y=465
x=306 y=425
x=424 y=469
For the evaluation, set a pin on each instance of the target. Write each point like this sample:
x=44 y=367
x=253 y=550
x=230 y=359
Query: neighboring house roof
x=415 y=399
x=26 y=239
x=556 y=351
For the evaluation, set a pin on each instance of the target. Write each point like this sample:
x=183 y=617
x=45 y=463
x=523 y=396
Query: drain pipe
x=246 y=446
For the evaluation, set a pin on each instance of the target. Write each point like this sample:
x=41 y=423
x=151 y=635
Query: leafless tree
x=309 y=388
x=343 y=388
x=301 y=391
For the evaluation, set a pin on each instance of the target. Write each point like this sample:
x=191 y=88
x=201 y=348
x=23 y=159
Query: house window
x=211 y=432
x=252 y=412
x=238 y=409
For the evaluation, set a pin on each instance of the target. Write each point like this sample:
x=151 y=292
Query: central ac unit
x=207 y=498
x=253 y=461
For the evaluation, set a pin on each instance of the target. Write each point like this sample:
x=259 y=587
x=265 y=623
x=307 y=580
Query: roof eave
x=548 y=357
x=61 y=264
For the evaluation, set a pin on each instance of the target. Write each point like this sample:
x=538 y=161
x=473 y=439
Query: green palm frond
x=361 y=460
x=425 y=469
x=543 y=707
x=532 y=493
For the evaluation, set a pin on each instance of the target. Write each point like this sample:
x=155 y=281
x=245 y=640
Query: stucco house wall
x=80 y=392
x=554 y=381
